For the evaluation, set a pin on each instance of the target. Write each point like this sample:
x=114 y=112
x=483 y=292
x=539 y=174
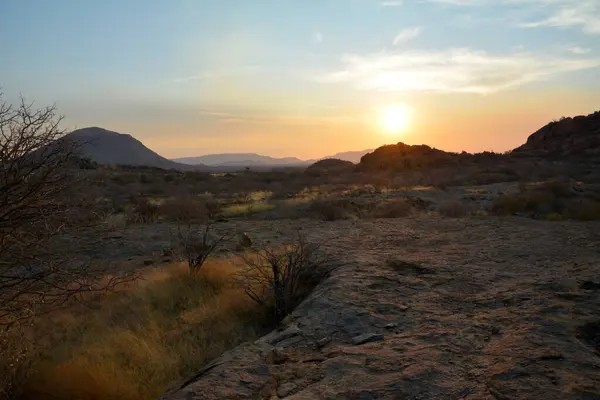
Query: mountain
x=240 y=160
x=108 y=147
x=577 y=137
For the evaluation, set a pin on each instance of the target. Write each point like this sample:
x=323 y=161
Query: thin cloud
x=458 y=70
x=583 y=14
x=318 y=37
x=390 y=3
x=206 y=75
x=407 y=34
x=456 y=2
x=217 y=114
x=577 y=50
x=258 y=118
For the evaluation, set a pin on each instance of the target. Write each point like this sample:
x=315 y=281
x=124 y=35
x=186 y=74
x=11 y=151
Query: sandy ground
x=499 y=308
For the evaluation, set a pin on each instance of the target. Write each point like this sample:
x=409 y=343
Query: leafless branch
x=198 y=247
x=284 y=275
x=41 y=199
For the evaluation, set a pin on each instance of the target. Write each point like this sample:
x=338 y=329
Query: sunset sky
x=305 y=78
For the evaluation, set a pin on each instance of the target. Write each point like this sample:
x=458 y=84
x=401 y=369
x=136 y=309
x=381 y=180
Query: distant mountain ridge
x=239 y=159
x=253 y=159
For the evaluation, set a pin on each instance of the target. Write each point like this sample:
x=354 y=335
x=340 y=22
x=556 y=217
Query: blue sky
x=302 y=77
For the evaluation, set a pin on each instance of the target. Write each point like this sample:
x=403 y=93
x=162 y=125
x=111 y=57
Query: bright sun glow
x=395 y=118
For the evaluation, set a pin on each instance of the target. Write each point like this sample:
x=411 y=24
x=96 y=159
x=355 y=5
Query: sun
x=394 y=119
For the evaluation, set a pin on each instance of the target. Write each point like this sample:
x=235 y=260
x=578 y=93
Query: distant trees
x=39 y=202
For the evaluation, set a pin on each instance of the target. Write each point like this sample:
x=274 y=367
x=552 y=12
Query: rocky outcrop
x=402 y=157
x=468 y=309
x=330 y=166
x=568 y=138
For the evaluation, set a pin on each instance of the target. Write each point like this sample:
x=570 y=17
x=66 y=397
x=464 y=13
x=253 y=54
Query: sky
x=305 y=78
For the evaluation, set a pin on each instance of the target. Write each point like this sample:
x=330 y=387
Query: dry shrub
x=115 y=221
x=333 y=209
x=186 y=208
x=510 y=204
x=397 y=208
x=293 y=208
x=143 y=210
x=555 y=201
x=361 y=190
x=197 y=245
x=15 y=363
x=282 y=277
x=136 y=344
x=454 y=209
x=585 y=209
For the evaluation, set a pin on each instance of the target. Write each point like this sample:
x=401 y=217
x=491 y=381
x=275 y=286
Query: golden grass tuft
x=137 y=343
x=240 y=210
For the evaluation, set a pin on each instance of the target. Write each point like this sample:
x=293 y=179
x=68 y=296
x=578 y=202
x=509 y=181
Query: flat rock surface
x=497 y=308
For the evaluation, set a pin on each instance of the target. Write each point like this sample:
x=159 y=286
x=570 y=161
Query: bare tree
x=284 y=275
x=40 y=183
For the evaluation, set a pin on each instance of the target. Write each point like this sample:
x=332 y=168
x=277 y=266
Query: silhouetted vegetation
x=279 y=278
x=40 y=199
x=554 y=200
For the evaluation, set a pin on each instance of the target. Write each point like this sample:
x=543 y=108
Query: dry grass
x=333 y=209
x=185 y=208
x=397 y=208
x=454 y=209
x=136 y=344
x=553 y=201
x=240 y=210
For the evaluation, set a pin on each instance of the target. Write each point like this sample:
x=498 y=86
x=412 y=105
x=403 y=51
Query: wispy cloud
x=457 y=2
x=230 y=72
x=390 y=3
x=407 y=34
x=584 y=14
x=225 y=116
x=318 y=36
x=216 y=114
x=453 y=70
x=205 y=75
x=577 y=50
